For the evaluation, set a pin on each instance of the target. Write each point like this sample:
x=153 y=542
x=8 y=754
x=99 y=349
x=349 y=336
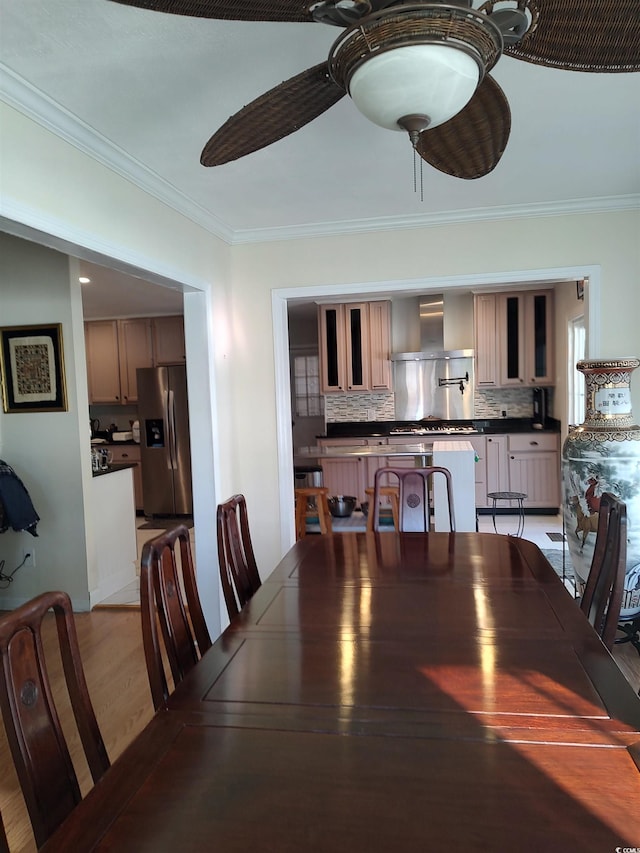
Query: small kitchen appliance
x=540 y=407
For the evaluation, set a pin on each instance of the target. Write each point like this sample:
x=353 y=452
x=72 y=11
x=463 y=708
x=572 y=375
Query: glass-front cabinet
x=354 y=347
x=525 y=324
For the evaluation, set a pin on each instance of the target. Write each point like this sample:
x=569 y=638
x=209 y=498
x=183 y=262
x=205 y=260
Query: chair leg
x=324 y=516
x=301 y=518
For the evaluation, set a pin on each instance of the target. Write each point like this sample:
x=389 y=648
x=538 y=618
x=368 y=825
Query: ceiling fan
x=421 y=67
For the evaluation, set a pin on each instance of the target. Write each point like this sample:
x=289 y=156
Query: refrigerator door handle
x=173 y=445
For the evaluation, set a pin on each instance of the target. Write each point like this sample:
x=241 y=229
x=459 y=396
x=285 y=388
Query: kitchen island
x=111 y=536
x=513 y=455
x=457 y=456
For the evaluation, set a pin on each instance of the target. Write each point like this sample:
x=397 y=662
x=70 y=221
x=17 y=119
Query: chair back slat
x=602 y=598
x=169 y=598
x=414 y=502
x=36 y=739
x=238 y=568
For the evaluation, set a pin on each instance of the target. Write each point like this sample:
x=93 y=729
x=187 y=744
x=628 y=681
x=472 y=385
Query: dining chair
x=238 y=568
x=414 y=502
x=36 y=739
x=169 y=598
x=602 y=598
x=4 y=844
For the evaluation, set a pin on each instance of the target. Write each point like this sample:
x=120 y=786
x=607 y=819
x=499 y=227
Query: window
x=308 y=402
x=576 y=384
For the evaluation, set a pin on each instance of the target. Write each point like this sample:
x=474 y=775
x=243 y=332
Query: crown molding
x=608 y=204
x=30 y=101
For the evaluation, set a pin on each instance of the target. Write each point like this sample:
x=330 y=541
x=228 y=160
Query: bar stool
x=312 y=501
x=519 y=497
x=391 y=492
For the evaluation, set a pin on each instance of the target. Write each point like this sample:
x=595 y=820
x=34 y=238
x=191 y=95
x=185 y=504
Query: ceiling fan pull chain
x=415 y=175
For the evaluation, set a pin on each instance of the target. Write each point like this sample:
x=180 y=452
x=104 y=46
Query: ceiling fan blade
x=274 y=115
x=582 y=35
x=229 y=10
x=471 y=143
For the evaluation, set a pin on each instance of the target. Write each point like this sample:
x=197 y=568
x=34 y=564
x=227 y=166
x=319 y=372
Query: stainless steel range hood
x=433 y=382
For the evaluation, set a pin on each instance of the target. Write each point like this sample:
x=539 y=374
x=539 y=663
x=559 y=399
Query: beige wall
x=230 y=328
x=42 y=447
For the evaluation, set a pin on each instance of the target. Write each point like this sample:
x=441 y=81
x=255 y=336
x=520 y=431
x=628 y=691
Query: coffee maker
x=540 y=407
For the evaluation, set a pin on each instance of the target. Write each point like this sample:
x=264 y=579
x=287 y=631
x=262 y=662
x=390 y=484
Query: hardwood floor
x=113 y=659
x=111 y=647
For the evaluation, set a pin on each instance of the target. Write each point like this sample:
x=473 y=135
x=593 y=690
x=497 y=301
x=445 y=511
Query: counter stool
x=391 y=492
x=312 y=501
x=509 y=496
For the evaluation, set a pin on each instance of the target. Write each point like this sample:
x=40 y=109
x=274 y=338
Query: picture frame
x=580 y=289
x=32 y=369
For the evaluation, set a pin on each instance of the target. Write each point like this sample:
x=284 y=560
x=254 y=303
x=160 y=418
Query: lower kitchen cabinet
x=516 y=462
x=352 y=475
x=497 y=465
x=131 y=453
x=344 y=475
x=527 y=463
x=534 y=468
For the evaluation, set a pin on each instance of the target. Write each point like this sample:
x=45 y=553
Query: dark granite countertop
x=488 y=426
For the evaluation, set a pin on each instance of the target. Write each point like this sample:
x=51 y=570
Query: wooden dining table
x=385 y=692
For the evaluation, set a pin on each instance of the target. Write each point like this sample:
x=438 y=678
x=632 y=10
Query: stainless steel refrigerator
x=165 y=451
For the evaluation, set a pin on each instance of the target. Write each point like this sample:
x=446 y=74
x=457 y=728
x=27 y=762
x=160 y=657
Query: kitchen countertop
x=104 y=442
x=386 y=429
x=115 y=466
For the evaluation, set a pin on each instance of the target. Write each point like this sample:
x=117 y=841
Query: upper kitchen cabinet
x=526 y=322
x=115 y=349
x=514 y=339
x=168 y=340
x=103 y=363
x=354 y=347
x=136 y=350
x=487 y=374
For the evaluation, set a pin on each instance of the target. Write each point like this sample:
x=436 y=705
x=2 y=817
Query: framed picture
x=32 y=362
x=580 y=288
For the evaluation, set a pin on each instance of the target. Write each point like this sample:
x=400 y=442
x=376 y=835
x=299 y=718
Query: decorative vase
x=603 y=455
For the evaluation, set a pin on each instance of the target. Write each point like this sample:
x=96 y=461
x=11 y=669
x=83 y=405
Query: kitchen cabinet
x=534 y=468
x=380 y=346
x=354 y=347
x=528 y=463
x=117 y=348
x=130 y=453
x=525 y=323
x=103 y=362
x=486 y=372
x=168 y=340
x=514 y=339
x=345 y=475
x=135 y=350
x=497 y=464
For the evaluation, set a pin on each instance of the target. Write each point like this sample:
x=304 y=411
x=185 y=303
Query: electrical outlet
x=29 y=557
x=371 y=414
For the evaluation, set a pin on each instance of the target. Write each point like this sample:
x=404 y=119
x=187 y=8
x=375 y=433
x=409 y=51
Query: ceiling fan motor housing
x=407 y=60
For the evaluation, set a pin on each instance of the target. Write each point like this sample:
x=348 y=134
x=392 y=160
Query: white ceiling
x=151 y=88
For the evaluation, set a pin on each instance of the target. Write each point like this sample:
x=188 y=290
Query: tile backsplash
x=488 y=403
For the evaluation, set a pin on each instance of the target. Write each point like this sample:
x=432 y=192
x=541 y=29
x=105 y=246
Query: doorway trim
x=280 y=298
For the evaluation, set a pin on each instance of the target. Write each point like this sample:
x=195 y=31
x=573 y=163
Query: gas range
x=442 y=429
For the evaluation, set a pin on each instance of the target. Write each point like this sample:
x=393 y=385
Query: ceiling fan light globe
x=424 y=79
